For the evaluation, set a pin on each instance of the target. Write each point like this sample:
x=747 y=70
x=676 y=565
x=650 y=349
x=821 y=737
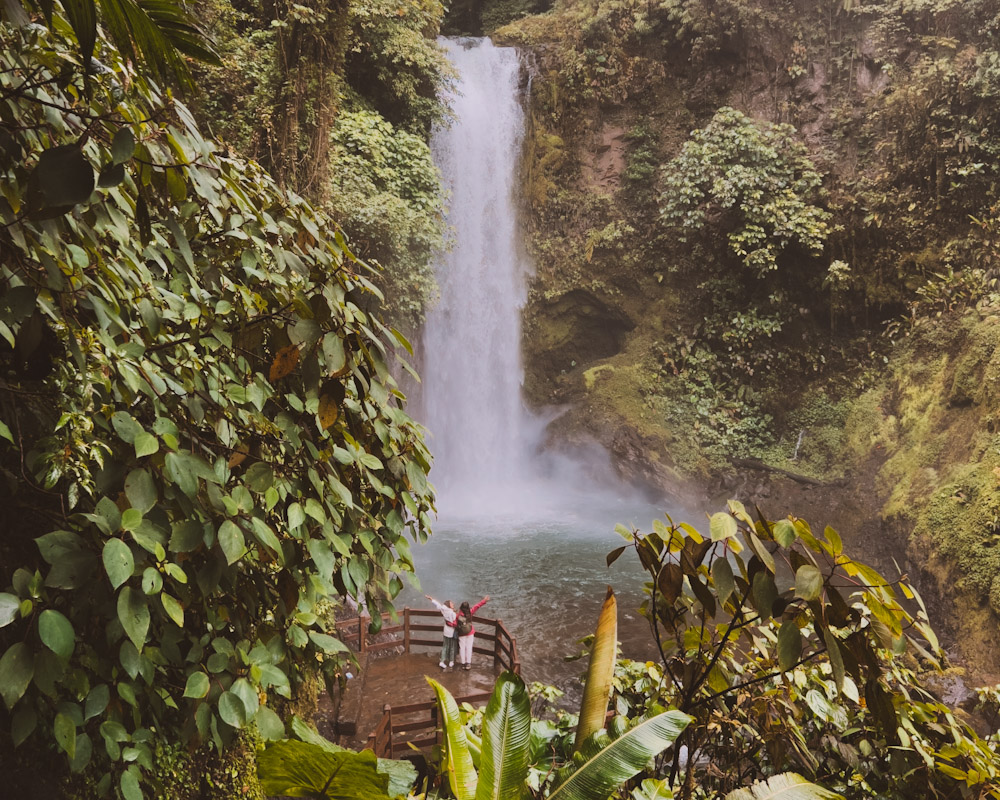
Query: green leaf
x=122 y=145
x=65 y=734
x=145 y=444
x=722 y=577
x=5 y=433
x=133 y=613
x=327 y=643
x=784 y=532
x=131 y=519
x=789 y=645
x=231 y=541
x=197 y=685
x=118 y=561
x=232 y=710
x=8 y=608
x=140 y=490
x=56 y=633
x=62 y=178
x=129 y=784
x=604 y=769
x=503 y=764
x=808 y=582
x=97 y=701
x=23 y=724
x=16 y=670
x=787 y=786
x=152 y=581
x=836 y=658
x=301 y=769
x=269 y=724
x=259 y=477
x=173 y=609
x=722 y=526
x=462 y=775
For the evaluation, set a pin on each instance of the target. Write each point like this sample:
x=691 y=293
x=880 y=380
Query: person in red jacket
x=466 y=633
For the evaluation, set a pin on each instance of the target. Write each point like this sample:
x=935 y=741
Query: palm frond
x=462 y=775
x=787 y=786
x=506 y=737
x=610 y=766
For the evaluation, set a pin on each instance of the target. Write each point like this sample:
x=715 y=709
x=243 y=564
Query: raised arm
x=480 y=604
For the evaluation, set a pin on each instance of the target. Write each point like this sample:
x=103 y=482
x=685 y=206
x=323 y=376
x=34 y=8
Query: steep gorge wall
x=893 y=442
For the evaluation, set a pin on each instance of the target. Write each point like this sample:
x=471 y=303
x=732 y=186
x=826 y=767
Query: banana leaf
x=600 y=673
x=462 y=775
x=506 y=738
x=606 y=768
x=787 y=786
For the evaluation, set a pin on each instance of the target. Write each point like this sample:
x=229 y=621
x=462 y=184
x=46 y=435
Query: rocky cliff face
x=890 y=440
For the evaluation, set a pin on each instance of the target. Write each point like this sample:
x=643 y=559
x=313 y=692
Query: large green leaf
x=787 y=786
x=16 y=669
x=600 y=672
x=133 y=613
x=402 y=774
x=462 y=775
x=300 y=769
x=56 y=632
x=503 y=763
x=606 y=768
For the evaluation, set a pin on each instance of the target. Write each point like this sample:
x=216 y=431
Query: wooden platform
x=389 y=703
x=400 y=681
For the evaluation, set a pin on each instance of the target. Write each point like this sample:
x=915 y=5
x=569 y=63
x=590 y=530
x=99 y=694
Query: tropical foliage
x=603 y=762
x=791 y=656
x=338 y=103
x=755 y=181
x=201 y=443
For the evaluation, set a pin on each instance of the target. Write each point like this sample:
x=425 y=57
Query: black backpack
x=464 y=625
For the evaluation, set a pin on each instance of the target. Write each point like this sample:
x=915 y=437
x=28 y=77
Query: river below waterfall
x=546 y=579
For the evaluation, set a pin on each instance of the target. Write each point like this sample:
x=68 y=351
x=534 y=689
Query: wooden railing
x=416 y=724
x=421 y=627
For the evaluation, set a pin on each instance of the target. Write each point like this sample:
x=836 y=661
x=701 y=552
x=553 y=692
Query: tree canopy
x=201 y=443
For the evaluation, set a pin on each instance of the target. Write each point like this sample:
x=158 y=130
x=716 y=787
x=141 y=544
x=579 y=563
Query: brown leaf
x=669 y=582
x=284 y=362
x=329 y=410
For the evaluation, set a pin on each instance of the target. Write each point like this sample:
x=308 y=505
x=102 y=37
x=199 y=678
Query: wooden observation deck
x=390 y=705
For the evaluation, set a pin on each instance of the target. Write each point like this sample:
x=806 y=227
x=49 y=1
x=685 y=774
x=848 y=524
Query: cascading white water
x=480 y=431
x=489 y=463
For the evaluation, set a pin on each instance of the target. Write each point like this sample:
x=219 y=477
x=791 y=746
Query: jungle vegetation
x=203 y=450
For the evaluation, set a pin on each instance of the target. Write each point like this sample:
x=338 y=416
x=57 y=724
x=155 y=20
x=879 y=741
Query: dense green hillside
x=752 y=218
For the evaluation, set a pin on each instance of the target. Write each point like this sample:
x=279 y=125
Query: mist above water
x=489 y=459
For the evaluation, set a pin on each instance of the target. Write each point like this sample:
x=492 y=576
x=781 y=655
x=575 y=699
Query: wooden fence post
x=387 y=711
x=406 y=629
x=363 y=633
x=497 y=627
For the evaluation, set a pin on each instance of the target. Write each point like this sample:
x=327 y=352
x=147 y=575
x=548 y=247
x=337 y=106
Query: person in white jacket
x=449 y=644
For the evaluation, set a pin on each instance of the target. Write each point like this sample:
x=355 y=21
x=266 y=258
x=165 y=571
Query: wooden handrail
x=394 y=734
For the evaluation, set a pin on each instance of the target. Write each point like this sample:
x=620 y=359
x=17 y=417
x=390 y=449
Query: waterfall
x=481 y=435
x=489 y=462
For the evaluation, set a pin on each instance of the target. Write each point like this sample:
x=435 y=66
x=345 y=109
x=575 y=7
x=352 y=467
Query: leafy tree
x=155 y=35
x=393 y=61
x=752 y=181
x=791 y=656
x=385 y=190
x=201 y=446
